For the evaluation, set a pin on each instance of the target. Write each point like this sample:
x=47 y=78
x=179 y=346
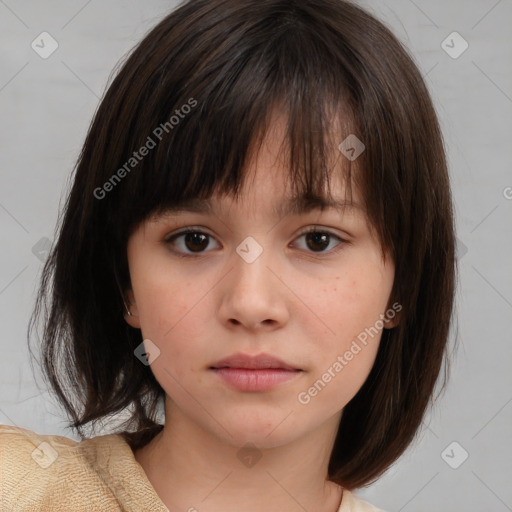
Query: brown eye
x=317 y=241
x=190 y=242
x=196 y=241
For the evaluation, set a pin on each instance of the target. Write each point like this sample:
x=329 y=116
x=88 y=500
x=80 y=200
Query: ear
x=390 y=324
x=393 y=315
x=131 y=314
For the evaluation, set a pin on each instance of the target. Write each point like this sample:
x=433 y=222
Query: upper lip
x=258 y=362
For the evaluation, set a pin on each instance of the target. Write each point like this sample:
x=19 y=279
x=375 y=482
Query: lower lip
x=255 y=380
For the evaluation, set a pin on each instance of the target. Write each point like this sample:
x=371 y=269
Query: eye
x=318 y=240
x=190 y=241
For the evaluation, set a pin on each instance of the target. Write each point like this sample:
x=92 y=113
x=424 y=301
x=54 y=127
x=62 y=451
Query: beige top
x=54 y=473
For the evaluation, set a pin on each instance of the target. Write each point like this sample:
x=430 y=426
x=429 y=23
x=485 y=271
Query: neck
x=192 y=470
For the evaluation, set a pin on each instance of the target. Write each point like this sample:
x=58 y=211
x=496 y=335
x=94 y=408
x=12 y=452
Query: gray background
x=46 y=106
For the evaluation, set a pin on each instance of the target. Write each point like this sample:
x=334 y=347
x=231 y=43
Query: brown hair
x=232 y=62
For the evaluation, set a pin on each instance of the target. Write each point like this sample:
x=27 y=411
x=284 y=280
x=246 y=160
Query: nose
x=252 y=296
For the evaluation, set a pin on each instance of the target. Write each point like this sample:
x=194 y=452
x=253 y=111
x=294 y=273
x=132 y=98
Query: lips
x=248 y=362
x=257 y=374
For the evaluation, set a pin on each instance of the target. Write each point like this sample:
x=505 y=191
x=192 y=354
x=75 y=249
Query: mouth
x=248 y=362
x=254 y=373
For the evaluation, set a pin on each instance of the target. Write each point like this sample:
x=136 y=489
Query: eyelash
x=313 y=229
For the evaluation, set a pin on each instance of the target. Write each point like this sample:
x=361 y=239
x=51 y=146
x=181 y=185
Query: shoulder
x=351 y=503
x=20 y=441
x=44 y=472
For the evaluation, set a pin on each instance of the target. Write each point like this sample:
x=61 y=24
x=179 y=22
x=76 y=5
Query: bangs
x=206 y=126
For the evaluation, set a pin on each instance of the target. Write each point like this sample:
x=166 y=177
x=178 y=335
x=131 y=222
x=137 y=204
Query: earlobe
x=391 y=323
x=131 y=314
x=393 y=316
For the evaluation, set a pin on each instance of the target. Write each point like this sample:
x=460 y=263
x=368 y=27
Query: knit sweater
x=101 y=474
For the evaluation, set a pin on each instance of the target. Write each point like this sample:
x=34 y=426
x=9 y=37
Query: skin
x=296 y=301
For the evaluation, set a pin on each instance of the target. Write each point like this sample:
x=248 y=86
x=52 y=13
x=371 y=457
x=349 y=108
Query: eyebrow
x=293 y=206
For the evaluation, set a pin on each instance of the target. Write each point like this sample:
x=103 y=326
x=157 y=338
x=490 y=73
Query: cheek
x=351 y=302
x=161 y=294
x=342 y=356
x=345 y=343
x=169 y=311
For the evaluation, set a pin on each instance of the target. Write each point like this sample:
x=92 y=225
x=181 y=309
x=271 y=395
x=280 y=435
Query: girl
x=259 y=240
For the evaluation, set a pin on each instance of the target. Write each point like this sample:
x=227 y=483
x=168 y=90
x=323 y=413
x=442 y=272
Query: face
x=249 y=281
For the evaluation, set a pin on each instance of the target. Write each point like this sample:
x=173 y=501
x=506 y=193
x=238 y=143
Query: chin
x=260 y=430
